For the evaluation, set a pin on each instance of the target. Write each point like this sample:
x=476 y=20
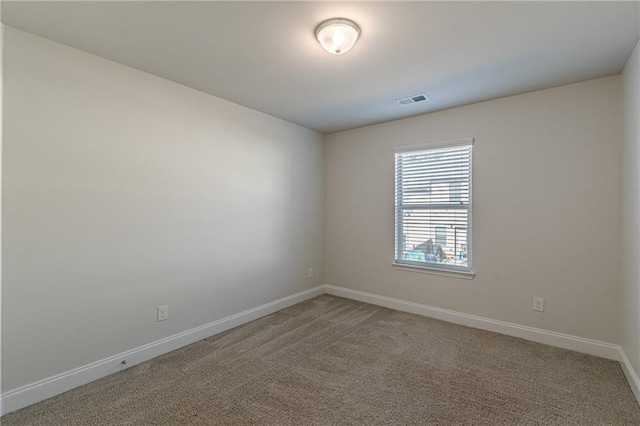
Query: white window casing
x=433 y=207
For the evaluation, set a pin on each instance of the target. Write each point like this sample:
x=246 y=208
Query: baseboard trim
x=630 y=374
x=35 y=392
x=560 y=340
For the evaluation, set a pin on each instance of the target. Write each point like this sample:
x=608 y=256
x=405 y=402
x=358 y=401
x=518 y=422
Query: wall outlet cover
x=538 y=304
x=163 y=313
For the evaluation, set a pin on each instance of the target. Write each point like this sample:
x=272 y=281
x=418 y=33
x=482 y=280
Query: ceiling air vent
x=413 y=99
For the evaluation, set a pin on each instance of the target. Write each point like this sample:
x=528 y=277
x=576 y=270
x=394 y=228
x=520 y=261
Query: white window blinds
x=433 y=205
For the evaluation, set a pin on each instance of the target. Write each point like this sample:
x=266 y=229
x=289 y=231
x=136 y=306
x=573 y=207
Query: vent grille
x=413 y=99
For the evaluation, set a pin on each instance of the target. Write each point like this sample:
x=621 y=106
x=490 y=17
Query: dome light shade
x=337 y=36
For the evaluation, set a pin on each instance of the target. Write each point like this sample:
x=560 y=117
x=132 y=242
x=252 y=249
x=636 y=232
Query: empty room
x=320 y=213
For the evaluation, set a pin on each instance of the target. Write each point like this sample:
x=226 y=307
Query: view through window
x=433 y=205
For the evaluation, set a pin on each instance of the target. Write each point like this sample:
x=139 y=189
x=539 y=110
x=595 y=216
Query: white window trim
x=442 y=270
x=433 y=145
x=466 y=275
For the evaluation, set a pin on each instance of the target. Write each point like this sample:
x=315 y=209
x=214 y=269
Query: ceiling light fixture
x=338 y=35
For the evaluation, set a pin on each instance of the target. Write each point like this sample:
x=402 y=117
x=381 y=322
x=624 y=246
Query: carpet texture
x=332 y=361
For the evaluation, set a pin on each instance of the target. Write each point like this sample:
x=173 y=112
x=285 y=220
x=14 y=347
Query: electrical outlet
x=163 y=313
x=310 y=274
x=538 y=304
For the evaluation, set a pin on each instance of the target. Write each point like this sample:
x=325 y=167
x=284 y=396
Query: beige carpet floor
x=332 y=361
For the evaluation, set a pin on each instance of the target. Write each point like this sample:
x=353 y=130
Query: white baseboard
x=30 y=394
x=630 y=374
x=565 y=341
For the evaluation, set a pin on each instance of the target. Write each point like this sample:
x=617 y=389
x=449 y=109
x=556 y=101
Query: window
x=433 y=205
x=441 y=235
x=454 y=192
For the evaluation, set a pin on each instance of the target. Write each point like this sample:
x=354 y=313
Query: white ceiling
x=264 y=55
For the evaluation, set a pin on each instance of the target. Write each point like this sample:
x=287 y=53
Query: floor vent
x=413 y=99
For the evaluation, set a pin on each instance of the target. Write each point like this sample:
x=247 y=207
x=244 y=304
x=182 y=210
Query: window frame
x=456 y=271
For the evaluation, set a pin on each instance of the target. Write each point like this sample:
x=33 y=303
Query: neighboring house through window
x=434 y=205
x=441 y=235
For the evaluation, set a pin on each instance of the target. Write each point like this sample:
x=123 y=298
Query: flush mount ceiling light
x=338 y=35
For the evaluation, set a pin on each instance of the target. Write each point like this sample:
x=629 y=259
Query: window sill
x=465 y=275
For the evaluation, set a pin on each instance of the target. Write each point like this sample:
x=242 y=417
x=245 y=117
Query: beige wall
x=123 y=192
x=631 y=222
x=547 y=209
